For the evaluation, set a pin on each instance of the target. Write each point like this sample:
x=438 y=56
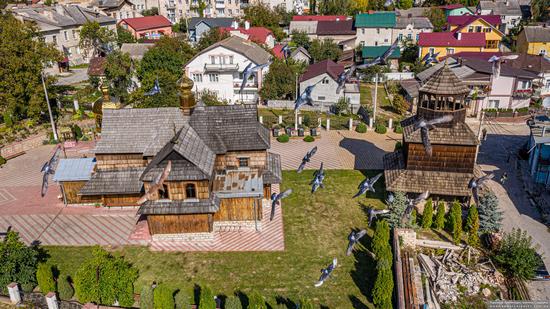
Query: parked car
x=541 y=274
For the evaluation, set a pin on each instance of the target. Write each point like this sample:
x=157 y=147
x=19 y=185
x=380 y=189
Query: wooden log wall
x=257 y=159
x=239 y=209
x=447 y=158
x=267 y=191
x=176 y=189
x=174 y=224
x=121 y=200
x=91 y=199
x=71 y=189
x=118 y=161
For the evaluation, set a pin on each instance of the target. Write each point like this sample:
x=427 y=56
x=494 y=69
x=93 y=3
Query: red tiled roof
x=318 y=17
x=449 y=39
x=255 y=34
x=278 y=50
x=474 y=55
x=464 y=20
x=147 y=22
x=335 y=27
x=325 y=66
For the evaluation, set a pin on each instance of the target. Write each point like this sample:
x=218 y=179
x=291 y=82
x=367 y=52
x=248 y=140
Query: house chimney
x=235 y=25
x=458 y=35
x=246 y=25
x=187 y=99
x=337 y=18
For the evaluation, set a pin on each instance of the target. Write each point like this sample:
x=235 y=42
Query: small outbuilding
x=72 y=175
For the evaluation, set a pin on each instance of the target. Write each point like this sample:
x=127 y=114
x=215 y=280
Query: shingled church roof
x=459 y=134
x=114 y=182
x=444 y=82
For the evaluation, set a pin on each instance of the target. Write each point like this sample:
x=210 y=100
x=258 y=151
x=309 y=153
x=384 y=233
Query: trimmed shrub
x=77 y=132
x=427 y=215
x=206 y=300
x=146 y=298
x=309 y=139
x=163 y=297
x=233 y=302
x=398 y=146
x=8 y=120
x=283 y=138
x=439 y=222
x=306 y=303
x=182 y=300
x=64 y=288
x=44 y=276
x=398 y=129
x=455 y=222
x=256 y=301
x=361 y=128
x=380 y=129
x=306 y=120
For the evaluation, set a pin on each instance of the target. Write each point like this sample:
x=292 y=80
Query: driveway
x=74 y=77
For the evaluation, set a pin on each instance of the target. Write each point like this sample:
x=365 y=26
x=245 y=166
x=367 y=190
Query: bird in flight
x=475 y=183
x=155 y=89
x=411 y=204
x=305 y=97
x=373 y=213
x=276 y=200
x=318 y=178
x=306 y=159
x=157 y=184
x=367 y=185
x=344 y=77
x=496 y=61
x=426 y=126
x=354 y=238
x=380 y=59
x=250 y=70
x=325 y=273
x=429 y=58
x=48 y=169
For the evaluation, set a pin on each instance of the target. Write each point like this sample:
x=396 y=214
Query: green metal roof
x=375 y=20
x=370 y=52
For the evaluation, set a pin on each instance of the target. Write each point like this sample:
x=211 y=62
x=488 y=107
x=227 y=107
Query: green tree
x=93 y=36
x=383 y=285
x=413 y=221
x=169 y=54
x=490 y=217
x=399 y=104
x=472 y=226
x=306 y=303
x=169 y=91
x=64 y=287
x=150 y=12
x=261 y=15
x=124 y=36
x=18 y=263
x=437 y=18
x=540 y=11
x=455 y=221
x=213 y=35
x=210 y=98
x=256 y=300
x=200 y=7
x=517 y=255
x=335 y=7
x=341 y=107
x=118 y=73
x=22 y=57
x=182 y=300
x=207 y=300
x=163 y=297
x=409 y=53
x=427 y=215
x=300 y=38
x=397 y=208
x=325 y=49
x=103 y=279
x=146 y=300
x=439 y=222
x=405 y=4
x=233 y=302
x=279 y=82
x=360 y=6
x=180 y=26
x=45 y=279
x=381 y=240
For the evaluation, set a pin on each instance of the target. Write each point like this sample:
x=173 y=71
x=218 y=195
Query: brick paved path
x=338 y=150
x=270 y=238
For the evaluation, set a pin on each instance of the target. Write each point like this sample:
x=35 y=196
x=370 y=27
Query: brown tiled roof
x=341 y=27
x=459 y=134
x=414 y=181
x=322 y=67
x=444 y=82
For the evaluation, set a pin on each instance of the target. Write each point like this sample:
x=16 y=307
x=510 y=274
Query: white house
x=325 y=74
x=409 y=28
x=375 y=28
x=219 y=69
x=509 y=11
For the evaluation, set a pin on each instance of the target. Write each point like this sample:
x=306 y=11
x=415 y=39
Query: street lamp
x=49 y=107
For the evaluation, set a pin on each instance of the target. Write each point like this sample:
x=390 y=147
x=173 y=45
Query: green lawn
x=316 y=229
x=366 y=94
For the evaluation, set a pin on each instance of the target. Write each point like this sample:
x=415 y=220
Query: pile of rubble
x=447 y=273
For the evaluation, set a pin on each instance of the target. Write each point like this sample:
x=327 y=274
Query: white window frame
x=214 y=77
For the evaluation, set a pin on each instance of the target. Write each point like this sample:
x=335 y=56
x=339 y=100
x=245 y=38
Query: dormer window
x=190 y=191
x=163 y=194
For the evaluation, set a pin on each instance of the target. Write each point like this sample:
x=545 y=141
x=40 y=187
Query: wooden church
x=448 y=170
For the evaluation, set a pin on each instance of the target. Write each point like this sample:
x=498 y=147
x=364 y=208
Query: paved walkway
x=338 y=150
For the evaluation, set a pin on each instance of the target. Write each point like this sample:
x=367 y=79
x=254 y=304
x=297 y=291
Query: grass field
x=316 y=229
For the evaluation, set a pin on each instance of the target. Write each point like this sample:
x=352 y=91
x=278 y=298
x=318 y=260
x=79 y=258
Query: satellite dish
x=546 y=102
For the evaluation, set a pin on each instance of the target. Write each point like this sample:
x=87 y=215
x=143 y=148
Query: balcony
x=220 y=5
x=249 y=84
x=170 y=5
x=221 y=67
x=522 y=93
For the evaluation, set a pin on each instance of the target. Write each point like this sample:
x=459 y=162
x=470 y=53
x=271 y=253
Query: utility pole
x=296 y=110
x=375 y=99
x=49 y=107
x=480 y=125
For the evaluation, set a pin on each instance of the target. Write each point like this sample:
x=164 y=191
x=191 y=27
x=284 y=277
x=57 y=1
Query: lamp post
x=49 y=107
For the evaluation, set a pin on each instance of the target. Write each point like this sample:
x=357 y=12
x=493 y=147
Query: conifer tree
x=397 y=208
x=427 y=215
x=472 y=226
x=455 y=222
x=490 y=217
x=383 y=284
x=439 y=222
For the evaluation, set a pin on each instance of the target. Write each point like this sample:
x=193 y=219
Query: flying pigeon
x=344 y=77
x=318 y=178
x=353 y=238
x=388 y=3
x=475 y=183
x=157 y=184
x=411 y=204
x=367 y=185
x=306 y=159
x=429 y=58
x=380 y=59
x=390 y=199
x=155 y=89
x=426 y=126
x=276 y=200
x=373 y=213
x=48 y=169
x=496 y=61
x=305 y=97
x=286 y=51
x=325 y=273
x=250 y=70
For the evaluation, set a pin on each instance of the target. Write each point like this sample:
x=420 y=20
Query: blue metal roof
x=74 y=169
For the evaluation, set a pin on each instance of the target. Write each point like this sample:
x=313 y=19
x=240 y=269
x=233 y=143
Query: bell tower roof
x=444 y=83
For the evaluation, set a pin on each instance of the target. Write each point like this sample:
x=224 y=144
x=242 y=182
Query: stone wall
x=22 y=146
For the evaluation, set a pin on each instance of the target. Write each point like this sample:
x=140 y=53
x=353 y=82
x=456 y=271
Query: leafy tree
x=256 y=300
x=200 y=7
x=341 y=107
x=378 y=5
x=180 y=26
x=210 y=98
x=335 y=7
x=163 y=297
x=150 y=12
x=472 y=226
x=103 y=279
x=169 y=54
x=213 y=35
x=405 y=4
x=455 y=221
x=439 y=222
x=437 y=18
x=517 y=255
x=22 y=57
x=397 y=208
x=118 y=73
x=539 y=9
x=182 y=300
x=233 y=302
x=427 y=215
x=168 y=97
x=399 y=104
x=261 y=15
x=490 y=217
x=280 y=81
x=300 y=38
x=18 y=263
x=93 y=36
x=360 y=6
x=325 y=49
x=207 y=300
x=64 y=288
x=124 y=36
x=146 y=298
x=410 y=52
x=370 y=73
x=44 y=276
x=284 y=15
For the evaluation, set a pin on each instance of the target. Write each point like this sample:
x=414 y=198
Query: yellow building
x=448 y=43
x=534 y=40
x=487 y=24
